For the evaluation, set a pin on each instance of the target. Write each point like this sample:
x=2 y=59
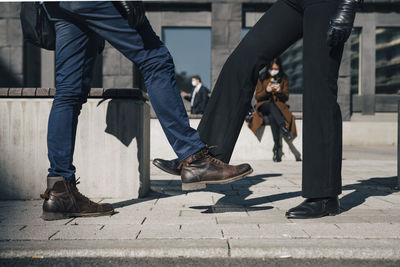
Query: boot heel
x=51 y=216
x=193 y=186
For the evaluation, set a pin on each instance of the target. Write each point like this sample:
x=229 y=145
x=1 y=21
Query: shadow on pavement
x=234 y=200
x=235 y=194
x=373 y=187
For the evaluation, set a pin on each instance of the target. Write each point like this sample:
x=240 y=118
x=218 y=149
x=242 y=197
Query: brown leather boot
x=201 y=168
x=63 y=200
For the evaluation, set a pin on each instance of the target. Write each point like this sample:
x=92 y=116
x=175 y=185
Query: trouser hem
x=321 y=193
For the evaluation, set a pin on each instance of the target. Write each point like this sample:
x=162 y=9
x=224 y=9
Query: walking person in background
x=272 y=93
x=199 y=97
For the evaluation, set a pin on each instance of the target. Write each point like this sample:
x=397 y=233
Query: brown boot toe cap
x=243 y=168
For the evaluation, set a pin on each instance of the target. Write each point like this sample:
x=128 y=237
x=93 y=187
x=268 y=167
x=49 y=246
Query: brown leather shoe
x=63 y=200
x=201 y=168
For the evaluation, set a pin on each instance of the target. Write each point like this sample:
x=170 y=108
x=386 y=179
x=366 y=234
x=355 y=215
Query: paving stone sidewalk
x=241 y=219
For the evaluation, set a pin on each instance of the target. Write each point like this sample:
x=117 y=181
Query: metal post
x=398 y=146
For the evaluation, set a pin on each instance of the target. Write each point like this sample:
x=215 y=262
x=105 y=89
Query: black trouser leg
x=275 y=117
x=233 y=91
x=322 y=122
x=276 y=133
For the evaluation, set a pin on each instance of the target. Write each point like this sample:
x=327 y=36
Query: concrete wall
x=11 y=46
x=366 y=132
x=111 y=155
x=117 y=69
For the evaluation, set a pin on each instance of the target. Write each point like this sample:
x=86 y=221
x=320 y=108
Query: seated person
x=271 y=95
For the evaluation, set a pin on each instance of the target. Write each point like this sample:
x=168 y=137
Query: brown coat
x=280 y=98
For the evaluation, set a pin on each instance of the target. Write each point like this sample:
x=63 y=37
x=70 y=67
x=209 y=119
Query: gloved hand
x=133 y=11
x=341 y=23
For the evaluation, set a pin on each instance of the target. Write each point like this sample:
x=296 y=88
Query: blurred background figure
x=199 y=96
x=272 y=93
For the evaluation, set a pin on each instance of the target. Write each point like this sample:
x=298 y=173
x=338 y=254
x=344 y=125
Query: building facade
x=369 y=79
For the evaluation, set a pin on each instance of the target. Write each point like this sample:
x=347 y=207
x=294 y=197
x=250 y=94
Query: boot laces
x=211 y=158
x=78 y=194
x=215 y=160
x=45 y=195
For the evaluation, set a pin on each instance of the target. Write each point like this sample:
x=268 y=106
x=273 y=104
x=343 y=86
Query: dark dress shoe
x=277 y=150
x=286 y=133
x=169 y=166
x=276 y=157
x=315 y=208
x=201 y=168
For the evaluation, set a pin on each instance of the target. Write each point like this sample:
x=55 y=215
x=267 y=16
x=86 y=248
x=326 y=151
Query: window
x=292 y=62
x=387 y=61
x=191 y=51
x=355 y=60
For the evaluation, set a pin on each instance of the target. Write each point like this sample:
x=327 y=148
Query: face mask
x=194 y=83
x=273 y=72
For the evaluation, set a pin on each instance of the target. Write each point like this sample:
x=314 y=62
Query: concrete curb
x=388 y=249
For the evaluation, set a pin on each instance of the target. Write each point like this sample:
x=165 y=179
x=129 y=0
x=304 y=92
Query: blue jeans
x=78 y=36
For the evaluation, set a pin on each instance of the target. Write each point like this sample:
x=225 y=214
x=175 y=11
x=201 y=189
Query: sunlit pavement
x=243 y=219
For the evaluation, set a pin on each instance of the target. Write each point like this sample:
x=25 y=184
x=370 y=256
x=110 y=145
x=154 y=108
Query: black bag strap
x=36 y=26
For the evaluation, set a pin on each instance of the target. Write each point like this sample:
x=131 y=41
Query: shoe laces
x=78 y=194
x=215 y=160
x=45 y=195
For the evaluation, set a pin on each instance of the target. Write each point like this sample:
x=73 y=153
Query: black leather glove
x=133 y=11
x=341 y=23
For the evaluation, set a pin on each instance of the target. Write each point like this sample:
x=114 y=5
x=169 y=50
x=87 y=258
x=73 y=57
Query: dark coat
x=200 y=101
x=280 y=98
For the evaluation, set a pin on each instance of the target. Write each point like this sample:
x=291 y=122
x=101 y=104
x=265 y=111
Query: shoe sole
x=164 y=169
x=52 y=216
x=315 y=217
x=202 y=185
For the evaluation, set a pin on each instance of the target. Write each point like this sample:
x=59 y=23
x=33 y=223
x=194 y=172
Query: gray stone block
x=159 y=231
x=96 y=92
x=123 y=81
x=3 y=32
x=4 y=92
x=235 y=33
x=52 y=92
x=288 y=230
x=113 y=231
x=111 y=62
x=29 y=92
x=5 y=55
x=368 y=104
x=78 y=232
x=27 y=233
x=126 y=67
x=108 y=81
x=14 y=32
x=47 y=68
x=42 y=92
x=241 y=231
x=200 y=231
x=15 y=92
x=11 y=9
x=226 y=11
x=16 y=63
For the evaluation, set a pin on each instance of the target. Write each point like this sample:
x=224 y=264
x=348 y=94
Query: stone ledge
x=134 y=93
